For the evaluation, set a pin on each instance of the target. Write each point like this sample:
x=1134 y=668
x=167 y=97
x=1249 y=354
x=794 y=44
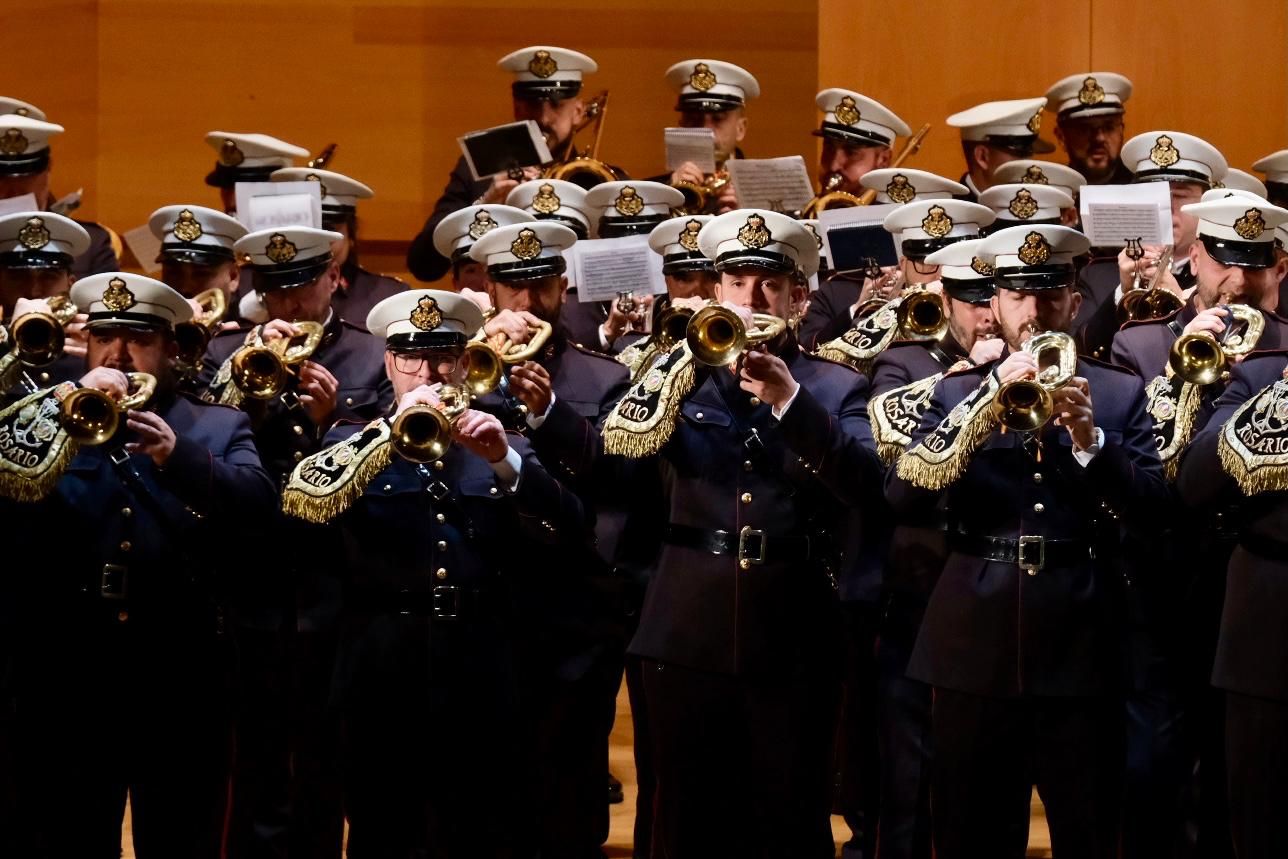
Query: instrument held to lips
x=1025 y=405
x=1201 y=358
x=702 y=198
x=585 y=169
x=829 y=197
x=90 y=416
x=193 y=337
x=38 y=337
x=262 y=370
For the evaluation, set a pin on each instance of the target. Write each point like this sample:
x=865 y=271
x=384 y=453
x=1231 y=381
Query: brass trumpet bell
x=484 y=368
x=673 y=323
x=699 y=199
x=717 y=335
x=261 y=371
x=423 y=433
x=193 y=337
x=1146 y=304
x=1025 y=405
x=39 y=337
x=92 y=417
x=1201 y=358
x=921 y=314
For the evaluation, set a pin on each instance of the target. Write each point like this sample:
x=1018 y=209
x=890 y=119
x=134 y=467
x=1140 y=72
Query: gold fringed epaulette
x=860 y=346
x=327 y=483
x=631 y=358
x=941 y=458
x=34 y=448
x=896 y=414
x=1253 y=445
x=1173 y=404
x=642 y=422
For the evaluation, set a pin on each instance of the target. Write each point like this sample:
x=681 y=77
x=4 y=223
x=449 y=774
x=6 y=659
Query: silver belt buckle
x=745 y=560
x=1032 y=554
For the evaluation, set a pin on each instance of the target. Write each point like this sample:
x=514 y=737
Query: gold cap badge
x=689 y=235
x=978 y=266
x=117 y=296
x=34 y=234
x=482 y=224
x=1164 y=154
x=754 y=233
x=13 y=142
x=526 y=246
x=546 y=202
x=702 y=78
x=187 y=228
x=937 y=223
x=1251 y=225
x=1023 y=206
x=629 y=202
x=1035 y=250
x=230 y=154
x=425 y=315
x=1091 y=92
x=542 y=64
x=279 y=249
x=900 y=190
x=847 y=112
x=1035 y=122
x=1034 y=176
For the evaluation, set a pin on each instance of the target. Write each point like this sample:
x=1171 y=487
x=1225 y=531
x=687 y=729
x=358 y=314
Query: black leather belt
x=750 y=545
x=442 y=602
x=1029 y=553
x=1265 y=547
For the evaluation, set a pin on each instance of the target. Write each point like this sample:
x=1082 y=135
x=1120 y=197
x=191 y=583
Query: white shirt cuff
x=778 y=413
x=508 y=470
x=535 y=421
x=1084 y=457
x=1118 y=294
x=604 y=343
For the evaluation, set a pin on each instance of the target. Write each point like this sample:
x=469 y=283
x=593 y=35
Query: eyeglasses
x=414 y=362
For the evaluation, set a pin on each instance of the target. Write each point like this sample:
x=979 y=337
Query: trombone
x=585 y=169
x=829 y=197
x=193 y=337
x=91 y=416
x=261 y=371
x=1025 y=405
x=717 y=335
x=1144 y=303
x=1202 y=359
x=423 y=433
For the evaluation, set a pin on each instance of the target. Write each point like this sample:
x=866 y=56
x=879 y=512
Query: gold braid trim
x=643 y=421
x=326 y=484
x=10 y=367
x=859 y=346
x=1253 y=445
x=941 y=458
x=896 y=414
x=1173 y=404
x=35 y=450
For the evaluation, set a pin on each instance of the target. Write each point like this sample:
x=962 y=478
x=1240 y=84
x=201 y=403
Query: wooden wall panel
x=928 y=62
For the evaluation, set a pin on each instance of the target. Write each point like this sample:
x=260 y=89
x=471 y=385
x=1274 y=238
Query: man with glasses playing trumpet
x=426 y=686
x=558 y=396
x=748 y=458
x=1019 y=637
x=124 y=480
x=294 y=376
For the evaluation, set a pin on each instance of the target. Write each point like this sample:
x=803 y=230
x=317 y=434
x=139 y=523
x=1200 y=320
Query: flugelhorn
x=1201 y=359
x=1152 y=301
x=717 y=335
x=1025 y=405
x=193 y=337
x=921 y=315
x=91 y=416
x=261 y=371
x=38 y=337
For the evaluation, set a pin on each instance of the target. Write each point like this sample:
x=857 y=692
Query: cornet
x=1025 y=405
x=193 y=337
x=717 y=336
x=261 y=371
x=91 y=416
x=700 y=199
x=921 y=315
x=38 y=336
x=1202 y=359
x=1152 y=301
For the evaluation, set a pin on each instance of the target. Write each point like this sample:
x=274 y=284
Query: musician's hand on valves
x=688 y=172
x=1018 y=365
x=278 y=329
x=482 y=434
x=422 y=395
x=155 y=437
x=1071 y=405
x=110 y=381
x=1212 y=320
x=985 y=351
x=514 y=325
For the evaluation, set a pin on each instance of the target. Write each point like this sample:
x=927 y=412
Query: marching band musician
x=713 y=94
x=37 y=253
x=1238 y=459
x=558 y=398
x=858 y=133
x=1190 y=166
x=1017 y=639
x=554 y=200
x=458 y=231
x=996 y=132
x=1089 y=110
x=739 y=629
x=197 y=249
x=903 y=377
x=246 y=158
x=125 y=629
x=547 y=90
x=359 y=290
x=25 y=169
x=426 y=678
x=285 y=785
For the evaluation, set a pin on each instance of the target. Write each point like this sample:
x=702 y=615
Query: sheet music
x=264 y=205
x=697 y=145
x=601 y=268
x=777 y=184
x=1112 y=214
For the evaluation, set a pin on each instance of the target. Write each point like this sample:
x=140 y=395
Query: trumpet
x=1152 y=301
x=91 y=416
x=1202 y=359
x=717 y=336
x=261 y=371
x=509 y=352
x=626 y=302
x=673 y=324
x=1025 y=405
x=921 y=315
x=193 y=337
x=585 y=169
x=423 y=433
x=700 y=198
x=38 y=337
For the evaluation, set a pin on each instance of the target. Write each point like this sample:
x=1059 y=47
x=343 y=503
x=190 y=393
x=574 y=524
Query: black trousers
x=990 y=752
x=903 y=713
x=859 y=783
x=286 y=797
x=122 y=712
x=1256 y=738
x=743 y=763
x=645 y=776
